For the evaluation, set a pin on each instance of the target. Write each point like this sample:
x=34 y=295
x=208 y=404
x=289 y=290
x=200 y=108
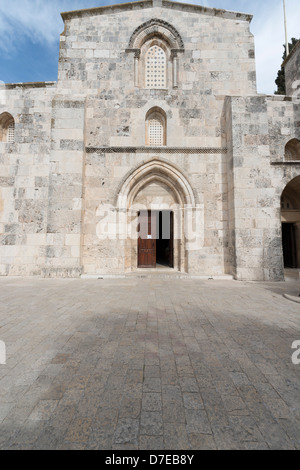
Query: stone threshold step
x=159 y=274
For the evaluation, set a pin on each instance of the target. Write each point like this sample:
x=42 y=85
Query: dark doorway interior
x=289 y=245
x=156 y=239
x=164 y=242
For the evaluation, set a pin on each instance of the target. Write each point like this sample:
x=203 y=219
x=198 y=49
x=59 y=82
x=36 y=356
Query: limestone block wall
x=254 y=225
x=283 y=124
x=232 y=141
x=24 y=179
x=218 y=60
x=104 y=174
x=291 y=68
x=98 y=104
x=63 y=252
x=78 y=142
x=259 y=176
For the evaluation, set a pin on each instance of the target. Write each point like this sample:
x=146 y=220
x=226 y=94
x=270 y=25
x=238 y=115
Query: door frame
x=151 y=243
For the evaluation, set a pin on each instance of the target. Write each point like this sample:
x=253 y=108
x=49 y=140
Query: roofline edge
x=165 y=3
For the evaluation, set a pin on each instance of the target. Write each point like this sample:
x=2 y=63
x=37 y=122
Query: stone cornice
x=105 y=10
x=286 y=162
x=295 y=48
x=233 y=15
x=10 y=86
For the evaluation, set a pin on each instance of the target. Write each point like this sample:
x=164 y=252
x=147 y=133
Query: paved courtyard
x=143 y=363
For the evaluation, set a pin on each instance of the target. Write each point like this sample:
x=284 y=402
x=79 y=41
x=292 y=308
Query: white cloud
x=34 y=19
x=37 y=20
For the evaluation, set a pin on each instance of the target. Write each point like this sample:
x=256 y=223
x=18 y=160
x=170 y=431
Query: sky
x=30 y=30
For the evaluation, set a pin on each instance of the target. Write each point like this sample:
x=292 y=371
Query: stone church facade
x=153 y=149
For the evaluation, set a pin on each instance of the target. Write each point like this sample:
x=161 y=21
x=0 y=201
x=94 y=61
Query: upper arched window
x=156 y=45
x=156 y=135
x=7 y=128
x=155 y=68
x=292 y=150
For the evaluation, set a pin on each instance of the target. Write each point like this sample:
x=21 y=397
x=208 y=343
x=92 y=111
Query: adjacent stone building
x=153 y=149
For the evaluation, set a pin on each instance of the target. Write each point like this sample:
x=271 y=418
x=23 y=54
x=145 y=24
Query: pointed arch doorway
x=154 y=197
x=290 y=220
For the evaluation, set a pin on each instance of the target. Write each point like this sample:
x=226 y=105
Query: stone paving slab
x=153 y=364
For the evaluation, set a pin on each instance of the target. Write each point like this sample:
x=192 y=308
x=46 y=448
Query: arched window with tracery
x=156 y=135
x=7 y=128
x=155 y=68
x=156 y=45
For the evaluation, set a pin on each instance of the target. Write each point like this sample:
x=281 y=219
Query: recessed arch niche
x=155 y=186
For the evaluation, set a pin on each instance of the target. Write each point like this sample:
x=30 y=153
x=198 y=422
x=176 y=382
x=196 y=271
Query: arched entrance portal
x=290 y=219
x=155 y=196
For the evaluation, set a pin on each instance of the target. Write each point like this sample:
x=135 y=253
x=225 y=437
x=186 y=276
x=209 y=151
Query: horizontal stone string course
x=286 y=162
x=202 y=150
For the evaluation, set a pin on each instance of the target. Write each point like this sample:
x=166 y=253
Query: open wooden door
x=147 y=240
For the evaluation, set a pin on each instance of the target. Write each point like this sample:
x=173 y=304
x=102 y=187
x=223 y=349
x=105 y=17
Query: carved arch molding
x=156 y=27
